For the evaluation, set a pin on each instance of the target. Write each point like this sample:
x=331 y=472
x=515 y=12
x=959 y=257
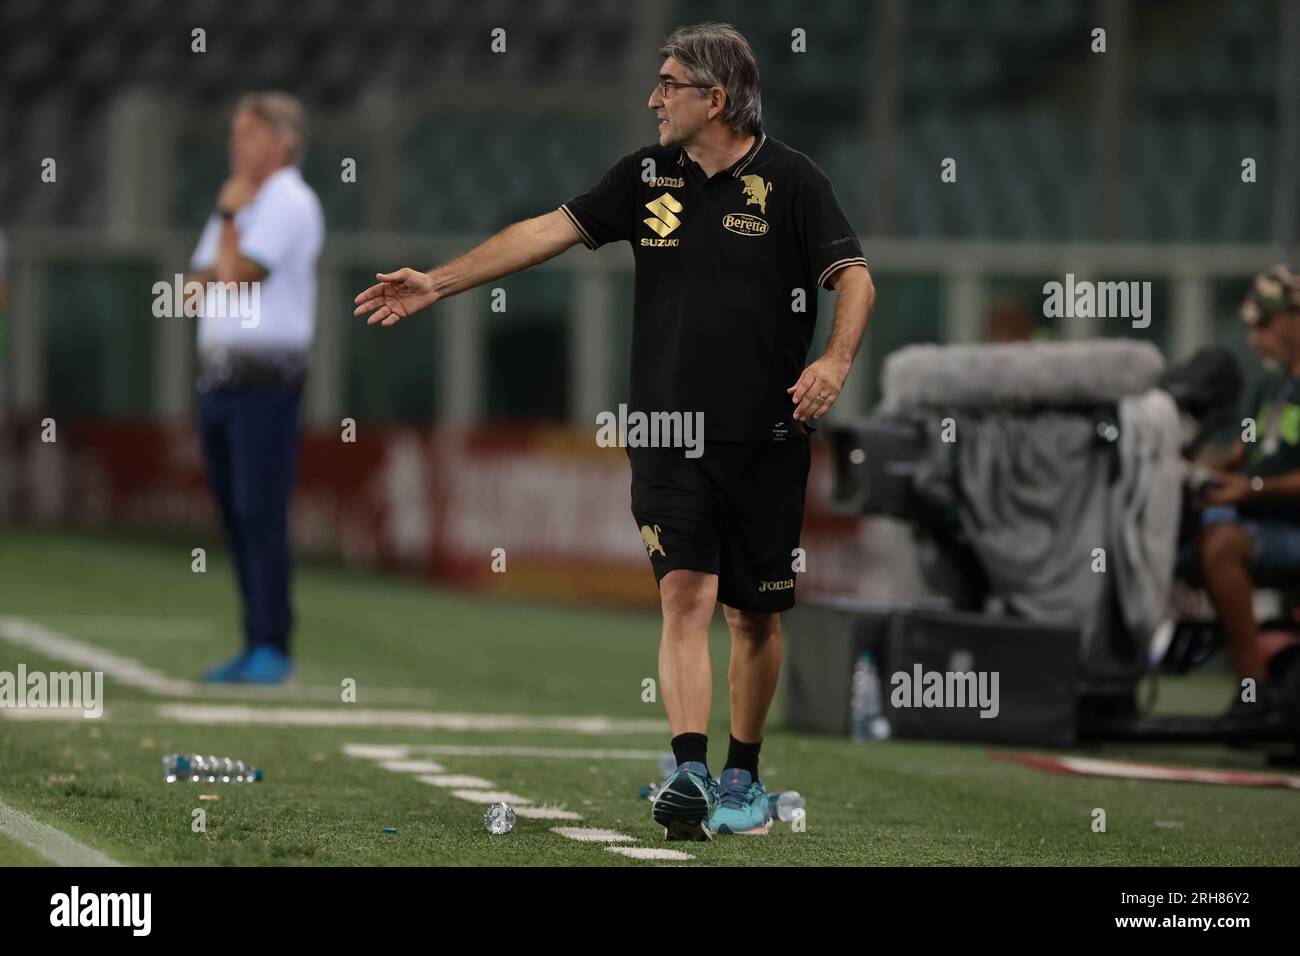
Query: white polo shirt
x=282 y=230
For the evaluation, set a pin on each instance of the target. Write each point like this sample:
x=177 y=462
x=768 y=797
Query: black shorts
x=736 y=511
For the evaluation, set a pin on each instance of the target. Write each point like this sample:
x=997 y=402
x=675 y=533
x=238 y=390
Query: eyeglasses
x=667 y=86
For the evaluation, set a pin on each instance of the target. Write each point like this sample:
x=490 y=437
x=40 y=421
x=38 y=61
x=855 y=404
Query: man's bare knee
x=751 y=625
x=1223 y=543
x=688 y=594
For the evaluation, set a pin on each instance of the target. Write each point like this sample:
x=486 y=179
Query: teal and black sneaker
x=685 y=802
x=742 y=805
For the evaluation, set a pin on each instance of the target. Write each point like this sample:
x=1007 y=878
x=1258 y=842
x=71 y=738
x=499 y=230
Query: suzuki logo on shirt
x=663 y=219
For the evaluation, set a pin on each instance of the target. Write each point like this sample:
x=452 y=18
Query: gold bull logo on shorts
x=650 y=536
x=756 y=191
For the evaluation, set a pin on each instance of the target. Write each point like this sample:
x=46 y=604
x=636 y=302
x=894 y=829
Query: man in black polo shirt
x=733 y=233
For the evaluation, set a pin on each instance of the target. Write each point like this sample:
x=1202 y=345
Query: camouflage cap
x=1274 y=290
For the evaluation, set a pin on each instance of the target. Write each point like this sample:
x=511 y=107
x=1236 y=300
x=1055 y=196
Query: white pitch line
x=126 y=622
x=49 y=713
x=184 y=630
x=55 y=845
x=421 y=719
x=558 y=753
x=649 y=853
x=376 y=751
x=412 y=766
x=489 y=796
x=293 y=692
x=546 y=813
x=456 y=780
x=50 y=643
x=55 y=644
x=593 y=835
x=475 y=789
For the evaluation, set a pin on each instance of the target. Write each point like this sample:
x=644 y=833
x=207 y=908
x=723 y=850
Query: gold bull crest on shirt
x=650 y=536
x=756 y=190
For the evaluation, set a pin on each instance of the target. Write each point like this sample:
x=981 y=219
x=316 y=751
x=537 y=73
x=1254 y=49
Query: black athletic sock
x=688 y=747
x=743 y=756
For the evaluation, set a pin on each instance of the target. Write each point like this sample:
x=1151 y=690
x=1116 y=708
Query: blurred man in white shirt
x=253 y=339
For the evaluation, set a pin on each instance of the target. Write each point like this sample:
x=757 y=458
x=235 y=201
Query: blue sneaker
x=742 y=808
x=228 y=672
x=683 y=804
x=265 y=665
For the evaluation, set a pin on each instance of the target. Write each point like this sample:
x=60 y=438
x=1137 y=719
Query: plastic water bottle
x=197 y=768
x=869 y=721
x=499 y=819
x=667 y=764
x=784 y=803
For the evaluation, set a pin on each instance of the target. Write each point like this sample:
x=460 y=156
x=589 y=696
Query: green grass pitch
x=416 y=648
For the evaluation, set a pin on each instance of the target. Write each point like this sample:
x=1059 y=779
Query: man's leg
x=763 y=512
x=687 y=798
x=214 y=441
x=1225 y=551
x=688 y=599
x=265 y=466
x=752 y=674
x=674 y=508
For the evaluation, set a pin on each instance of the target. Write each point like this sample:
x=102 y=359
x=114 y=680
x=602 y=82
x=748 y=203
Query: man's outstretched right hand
x=395 y=296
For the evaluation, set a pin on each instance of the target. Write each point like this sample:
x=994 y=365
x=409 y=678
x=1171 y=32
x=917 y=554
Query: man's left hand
x=818 y=387
x=1232 y=488
x=237 y=193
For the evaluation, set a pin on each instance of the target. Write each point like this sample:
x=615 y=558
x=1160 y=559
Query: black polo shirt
x=718 y=263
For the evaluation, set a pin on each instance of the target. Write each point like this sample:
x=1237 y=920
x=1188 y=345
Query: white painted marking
x=546 y=813
x=55 y=845
x=593 y=835
x=489 y=796
x=127 y=628
x=50 y=643
x=649 y=853
x=294 y=692
x=420 y=719
x=457 y=780
x=50 y=713
x=558 y=753
x=1139 y=771
x=375 y=751
x=412 y=766
x=124 y=621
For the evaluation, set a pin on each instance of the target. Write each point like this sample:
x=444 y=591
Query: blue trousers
x=250 y=450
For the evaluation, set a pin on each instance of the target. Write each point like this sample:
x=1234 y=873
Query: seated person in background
x=1250 y=525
